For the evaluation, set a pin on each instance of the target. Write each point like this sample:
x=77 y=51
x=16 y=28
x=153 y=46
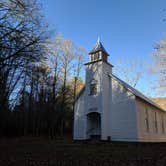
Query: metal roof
x=98 y=47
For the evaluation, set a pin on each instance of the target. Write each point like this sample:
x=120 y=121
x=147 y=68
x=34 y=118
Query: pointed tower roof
x=98 y=47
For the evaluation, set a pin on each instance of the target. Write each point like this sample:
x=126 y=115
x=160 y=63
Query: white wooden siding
x=123 y=114
x=152 y=135
x=79 y=119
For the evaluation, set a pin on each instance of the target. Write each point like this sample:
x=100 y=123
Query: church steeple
x=98 y=52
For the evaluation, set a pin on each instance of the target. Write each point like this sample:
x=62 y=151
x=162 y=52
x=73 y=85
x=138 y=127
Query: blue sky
x=127 y=28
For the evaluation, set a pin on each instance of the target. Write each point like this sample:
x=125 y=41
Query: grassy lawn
x=44 y=152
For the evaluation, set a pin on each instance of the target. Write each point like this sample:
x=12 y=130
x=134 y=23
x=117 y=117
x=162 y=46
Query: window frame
x=155 y=122
x=93 y=89
x=162 y=124
x=147 y=120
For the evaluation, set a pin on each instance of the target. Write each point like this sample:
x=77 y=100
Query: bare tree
x=70 y=62
x=22 y=39
x=67 y=57
x=21 y=43
x=159 y=67
x=130 y=71
x=33 y=73
x=80 y=52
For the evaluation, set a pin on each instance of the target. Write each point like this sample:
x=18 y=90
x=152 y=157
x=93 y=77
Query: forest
x=39 y=73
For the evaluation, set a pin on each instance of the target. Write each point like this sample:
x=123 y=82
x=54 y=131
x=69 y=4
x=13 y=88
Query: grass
x=44 y=152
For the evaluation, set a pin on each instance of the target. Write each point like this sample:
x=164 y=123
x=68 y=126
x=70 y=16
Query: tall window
x=93 y=88
x=155 y=122
x=96 y=56
x=147 y=120
x=162 y=123
x=92 y=57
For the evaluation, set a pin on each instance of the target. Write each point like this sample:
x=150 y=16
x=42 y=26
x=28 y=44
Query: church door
x=94 y=125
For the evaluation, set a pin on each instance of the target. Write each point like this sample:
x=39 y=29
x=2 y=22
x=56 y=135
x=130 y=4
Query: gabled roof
x=135 y=92
x=98 y=47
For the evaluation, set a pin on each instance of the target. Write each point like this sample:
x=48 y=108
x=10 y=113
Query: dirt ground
x=44 y=152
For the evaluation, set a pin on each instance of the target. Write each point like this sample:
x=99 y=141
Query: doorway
x=94 y=125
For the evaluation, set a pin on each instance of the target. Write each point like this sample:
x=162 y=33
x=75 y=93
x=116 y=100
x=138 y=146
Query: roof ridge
x=136 y=92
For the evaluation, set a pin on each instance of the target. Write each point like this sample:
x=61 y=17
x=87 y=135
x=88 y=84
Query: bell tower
x=97 y=93
x=98 y=53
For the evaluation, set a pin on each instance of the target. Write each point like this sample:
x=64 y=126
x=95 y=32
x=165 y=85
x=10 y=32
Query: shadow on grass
x=41 y=151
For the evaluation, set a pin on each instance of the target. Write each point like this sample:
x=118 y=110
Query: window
x=92 y=57
x=162 y=124
x=93 y=89
x=147 y=120
x=155 y=122
x=96 y=56
x=100 y=55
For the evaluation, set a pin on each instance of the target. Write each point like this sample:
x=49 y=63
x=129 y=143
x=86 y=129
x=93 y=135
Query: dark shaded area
x=36 y=98
x=40 y=151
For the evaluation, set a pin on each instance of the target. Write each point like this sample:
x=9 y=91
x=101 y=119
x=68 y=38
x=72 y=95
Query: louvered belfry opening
x=98 y=52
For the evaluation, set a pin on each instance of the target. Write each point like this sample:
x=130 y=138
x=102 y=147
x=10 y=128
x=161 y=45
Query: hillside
x=160 y=101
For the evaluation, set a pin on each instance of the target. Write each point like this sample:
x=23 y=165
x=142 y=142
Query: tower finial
x=98 y=47
x=98 y=39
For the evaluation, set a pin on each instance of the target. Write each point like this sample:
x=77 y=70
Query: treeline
x=39 y=74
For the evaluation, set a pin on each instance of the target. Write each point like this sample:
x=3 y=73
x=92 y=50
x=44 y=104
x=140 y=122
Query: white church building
x=107 y=108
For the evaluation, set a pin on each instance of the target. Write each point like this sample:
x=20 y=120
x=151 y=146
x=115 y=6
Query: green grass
x=40 y=151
